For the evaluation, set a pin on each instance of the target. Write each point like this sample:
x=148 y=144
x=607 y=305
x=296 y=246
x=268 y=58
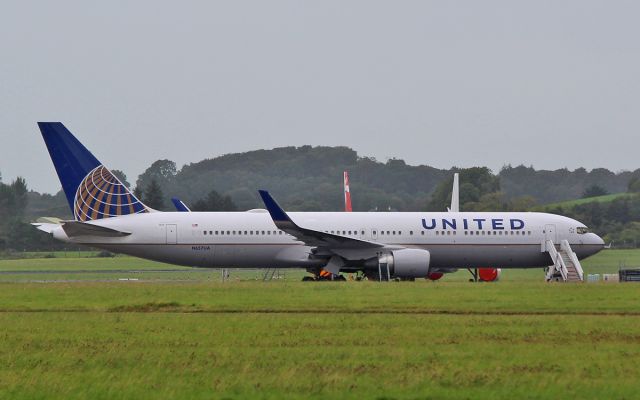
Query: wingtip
x=277 y=213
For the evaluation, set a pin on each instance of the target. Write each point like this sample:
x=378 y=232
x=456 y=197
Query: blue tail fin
x=92 y=191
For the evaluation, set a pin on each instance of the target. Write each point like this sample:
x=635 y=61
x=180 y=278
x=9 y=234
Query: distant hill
x=307 y=178
x=560 y=185
x=310 y=178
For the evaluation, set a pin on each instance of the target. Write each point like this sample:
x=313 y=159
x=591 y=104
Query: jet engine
x=434 y=276
x=405 y=263
x=489 y=274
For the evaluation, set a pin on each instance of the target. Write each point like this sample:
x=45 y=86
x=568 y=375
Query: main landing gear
x=323 y=275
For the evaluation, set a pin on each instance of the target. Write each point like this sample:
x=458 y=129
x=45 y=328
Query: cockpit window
x=582 y=230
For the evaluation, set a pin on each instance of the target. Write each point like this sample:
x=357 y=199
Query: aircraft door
x=550 y=233
x=374 y=234
x=172 y=233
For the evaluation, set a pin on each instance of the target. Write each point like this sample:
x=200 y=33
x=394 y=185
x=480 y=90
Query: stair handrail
x=557 y=260
x=564 y=245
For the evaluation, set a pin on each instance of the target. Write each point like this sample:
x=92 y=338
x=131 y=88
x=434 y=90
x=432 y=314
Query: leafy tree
x=494 y=201
x=594 y=191
x=522 y=203
x=19 y=196
x=153 y=196
x=634 y=185
x=162 y=171
x=139 y=193
x=214 y=202
x=474 y=183
x=121 y=176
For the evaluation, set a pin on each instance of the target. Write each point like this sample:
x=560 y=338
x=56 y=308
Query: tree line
x=310 y=179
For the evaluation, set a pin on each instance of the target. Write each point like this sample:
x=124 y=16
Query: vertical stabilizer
x=92 y=191
x=455 y=195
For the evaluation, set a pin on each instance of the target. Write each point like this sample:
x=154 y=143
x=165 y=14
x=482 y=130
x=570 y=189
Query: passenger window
x=204 y=232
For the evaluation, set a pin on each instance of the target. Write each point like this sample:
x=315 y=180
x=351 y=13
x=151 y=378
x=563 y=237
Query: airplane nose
x=591 y=244
x=594 y=242
x=597 y=240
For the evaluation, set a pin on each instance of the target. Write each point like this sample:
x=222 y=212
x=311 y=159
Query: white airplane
x=395 y=244
x=484 y=274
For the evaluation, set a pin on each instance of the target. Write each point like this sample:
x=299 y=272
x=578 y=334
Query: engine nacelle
x=406 y=263
x=489 y=274
x=434 y=276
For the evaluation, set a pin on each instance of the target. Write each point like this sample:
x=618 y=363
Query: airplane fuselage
x=251 y=239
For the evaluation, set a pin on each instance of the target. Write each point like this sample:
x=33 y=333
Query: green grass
x=202 y=339
x=607 y=198
x=275 y=356
x=607 y=261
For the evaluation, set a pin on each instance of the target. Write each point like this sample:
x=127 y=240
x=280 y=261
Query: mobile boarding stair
x=566 y=266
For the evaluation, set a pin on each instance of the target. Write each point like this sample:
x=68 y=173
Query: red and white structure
x=347 y=193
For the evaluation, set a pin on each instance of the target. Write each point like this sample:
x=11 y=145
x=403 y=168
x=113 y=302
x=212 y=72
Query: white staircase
x=271 y=274
x=566 y=266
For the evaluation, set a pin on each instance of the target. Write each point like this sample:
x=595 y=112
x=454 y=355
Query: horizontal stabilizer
x=45 y=226
x=77 y=228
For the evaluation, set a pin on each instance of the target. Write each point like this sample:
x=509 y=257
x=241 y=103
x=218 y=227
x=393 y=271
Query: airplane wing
x=179 y=205
x=313 y=237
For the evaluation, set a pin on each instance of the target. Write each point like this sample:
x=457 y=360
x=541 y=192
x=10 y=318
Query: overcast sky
x=446 y=83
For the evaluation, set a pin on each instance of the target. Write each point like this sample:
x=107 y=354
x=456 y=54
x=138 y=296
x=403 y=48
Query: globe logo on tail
x=101 y=195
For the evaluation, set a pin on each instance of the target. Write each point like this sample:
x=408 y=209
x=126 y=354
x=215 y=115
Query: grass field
x=607 y=198
x=201 y=338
